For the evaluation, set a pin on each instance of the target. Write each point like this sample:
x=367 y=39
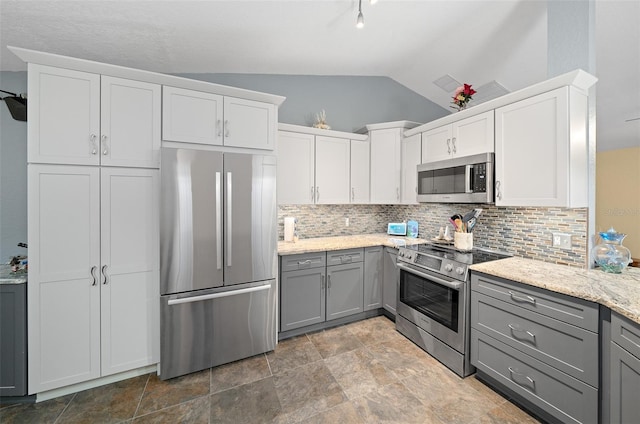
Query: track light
x=360 y=20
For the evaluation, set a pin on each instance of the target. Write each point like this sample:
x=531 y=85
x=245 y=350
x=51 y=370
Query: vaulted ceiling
x=413 y=42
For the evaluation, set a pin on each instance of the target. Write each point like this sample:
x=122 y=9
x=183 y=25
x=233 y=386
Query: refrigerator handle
x=229 y=235
x=218 y=221
x=192 y=299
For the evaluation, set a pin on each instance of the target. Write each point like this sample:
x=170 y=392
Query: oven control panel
x=445 y=266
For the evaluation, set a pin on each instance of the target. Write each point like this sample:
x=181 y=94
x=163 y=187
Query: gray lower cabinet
x=321 y=286
x=302 y=290
x=344 y=290
x=624 y=399
x=539 y=346
x=373 y=277
x=13 y=339
x=390 y=281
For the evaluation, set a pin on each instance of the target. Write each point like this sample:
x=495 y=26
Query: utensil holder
x=463 y=241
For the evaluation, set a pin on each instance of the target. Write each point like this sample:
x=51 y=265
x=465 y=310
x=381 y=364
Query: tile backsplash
x=521 y=231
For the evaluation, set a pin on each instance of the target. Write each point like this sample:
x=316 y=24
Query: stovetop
x=445 y=259
x=475 y=256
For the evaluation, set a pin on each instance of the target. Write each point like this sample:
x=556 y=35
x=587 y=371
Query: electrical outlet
x=346 y=222
x=561 y=240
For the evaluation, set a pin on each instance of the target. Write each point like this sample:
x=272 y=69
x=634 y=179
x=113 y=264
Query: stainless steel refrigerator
x=218 y=258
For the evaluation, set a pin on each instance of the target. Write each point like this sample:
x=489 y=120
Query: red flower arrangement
x=462 y=96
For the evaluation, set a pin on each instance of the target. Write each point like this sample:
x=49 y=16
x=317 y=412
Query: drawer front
x=571 y=349
x=347 y=256
x=625 y=333
x=565 y=308
x=303 y=261
x=562 y=396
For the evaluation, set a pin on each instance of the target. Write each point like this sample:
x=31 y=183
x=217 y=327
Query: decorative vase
x=611 y=255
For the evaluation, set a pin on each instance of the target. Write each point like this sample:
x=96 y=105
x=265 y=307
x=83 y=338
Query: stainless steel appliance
x=218 y=264
x=468 y=179
x=434 y=301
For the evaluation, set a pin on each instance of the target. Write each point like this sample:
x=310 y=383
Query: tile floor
x=364 y=372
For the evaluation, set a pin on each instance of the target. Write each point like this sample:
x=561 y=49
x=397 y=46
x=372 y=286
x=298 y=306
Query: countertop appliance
x=218 y=263
x=433 y=303
x=467 y=179
x=397 y=228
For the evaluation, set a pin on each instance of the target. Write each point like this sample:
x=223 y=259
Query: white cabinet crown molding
x=579 y=79
x=317 y=131
x=50 y=59
x=388 y=125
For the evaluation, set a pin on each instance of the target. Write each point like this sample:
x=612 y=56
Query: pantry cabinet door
x=64 y=116
x=130 y=123
x=130 y=294
x=64 y=288
x=192 y=116
x=333 y=164
x=385 y=166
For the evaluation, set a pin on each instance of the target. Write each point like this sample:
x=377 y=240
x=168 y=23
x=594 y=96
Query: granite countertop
x=8 y=277
x=618 y=292
x=319 y=244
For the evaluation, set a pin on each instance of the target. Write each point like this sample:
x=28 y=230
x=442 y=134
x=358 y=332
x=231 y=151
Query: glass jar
x=611 y=255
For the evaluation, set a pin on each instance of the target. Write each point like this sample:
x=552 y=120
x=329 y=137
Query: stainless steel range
x=434 y=301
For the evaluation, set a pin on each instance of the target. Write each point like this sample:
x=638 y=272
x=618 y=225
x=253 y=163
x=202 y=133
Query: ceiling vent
x=447 y=83
x=489 y=91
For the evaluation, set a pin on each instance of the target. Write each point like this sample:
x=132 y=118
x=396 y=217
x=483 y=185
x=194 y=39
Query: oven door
x=434 y=303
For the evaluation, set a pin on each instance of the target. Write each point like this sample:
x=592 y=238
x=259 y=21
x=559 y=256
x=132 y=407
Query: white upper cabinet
x=541 y=150
x=386 y=165
x=469 y=136
x=360 y=171
x=249 y=124
x=75 y=118
x=130 y=123
x=295 y=181
x=64 y=116
x=411 y=156
x=332 y=170
x=205 y=118
x=192 y=116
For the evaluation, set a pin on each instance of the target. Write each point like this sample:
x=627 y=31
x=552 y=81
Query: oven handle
x=455 y=285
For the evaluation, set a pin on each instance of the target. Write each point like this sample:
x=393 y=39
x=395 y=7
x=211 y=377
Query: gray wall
x=351 y=102
x=13 y=172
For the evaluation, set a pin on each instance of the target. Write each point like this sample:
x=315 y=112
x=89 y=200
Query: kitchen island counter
x=319 y=244
x=619 y=292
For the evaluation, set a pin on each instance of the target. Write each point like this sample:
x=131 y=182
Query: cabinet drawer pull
x=218 y=128
x=453 y=143
x=498 y=192
x=307 y=262
x=515 y=373
x=519 y=330
x=313 y=194
x=526 y=299
x=226 y=128
x=94 y=146
x=328 y=285
x=105 y=148
x=322 y=285
x=317 y=193
x=353 y=194
x=346 y=259
x=449 y=145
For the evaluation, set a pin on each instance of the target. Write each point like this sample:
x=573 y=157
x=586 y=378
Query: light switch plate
x=561 y=240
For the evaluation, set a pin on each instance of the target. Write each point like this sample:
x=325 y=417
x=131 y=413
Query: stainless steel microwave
x=467 y=179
